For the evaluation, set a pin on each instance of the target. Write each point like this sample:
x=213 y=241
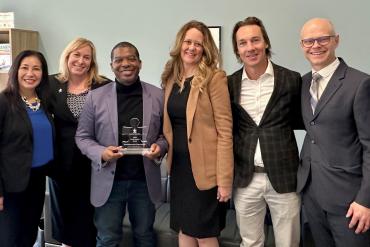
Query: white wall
x=152 y=26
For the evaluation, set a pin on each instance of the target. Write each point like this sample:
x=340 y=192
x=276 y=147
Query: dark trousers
x=22 y=212
x=329 y=229
x=108 y=218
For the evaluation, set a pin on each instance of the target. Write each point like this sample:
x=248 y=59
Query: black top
x=67 y=154
x=176 y=108
x=129 y=105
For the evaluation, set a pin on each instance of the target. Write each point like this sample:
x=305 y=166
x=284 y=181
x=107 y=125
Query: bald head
x=317 y=25
x=318 y=42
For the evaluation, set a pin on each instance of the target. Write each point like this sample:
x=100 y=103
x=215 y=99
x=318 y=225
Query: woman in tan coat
x=198 y=127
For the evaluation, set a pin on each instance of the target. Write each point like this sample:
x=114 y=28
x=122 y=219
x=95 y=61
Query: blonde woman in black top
x=72 y=213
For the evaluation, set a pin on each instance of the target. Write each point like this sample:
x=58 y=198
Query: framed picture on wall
x=216 y=34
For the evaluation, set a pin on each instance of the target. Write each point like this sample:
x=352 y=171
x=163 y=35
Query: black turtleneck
x=129 y=105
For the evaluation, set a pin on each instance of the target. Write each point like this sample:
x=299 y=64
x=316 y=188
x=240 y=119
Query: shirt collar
x=328 y=70
x=268 y=72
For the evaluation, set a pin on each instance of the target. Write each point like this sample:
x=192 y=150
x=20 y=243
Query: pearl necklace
x=33 y=106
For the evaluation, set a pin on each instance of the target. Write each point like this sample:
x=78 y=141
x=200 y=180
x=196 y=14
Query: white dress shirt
x=254 y=96
x=326 y=74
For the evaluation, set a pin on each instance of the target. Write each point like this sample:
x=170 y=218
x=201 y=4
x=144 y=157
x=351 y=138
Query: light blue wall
x=152 y=25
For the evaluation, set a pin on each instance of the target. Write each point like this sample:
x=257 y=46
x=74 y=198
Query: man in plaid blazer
x=265 y=101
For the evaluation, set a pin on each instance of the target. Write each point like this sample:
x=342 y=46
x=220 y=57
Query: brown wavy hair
x=207 y=66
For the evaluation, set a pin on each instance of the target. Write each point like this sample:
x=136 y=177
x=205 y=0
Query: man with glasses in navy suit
x=334 y=175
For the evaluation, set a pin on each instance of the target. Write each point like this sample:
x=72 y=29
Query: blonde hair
x=93 y=75
x=208 y=64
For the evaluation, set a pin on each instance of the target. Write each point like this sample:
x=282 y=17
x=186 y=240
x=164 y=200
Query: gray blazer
x=336 y=149
x=98 y=128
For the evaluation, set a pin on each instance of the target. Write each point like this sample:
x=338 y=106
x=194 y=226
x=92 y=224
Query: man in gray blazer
x=334 y=175
x=118 y=179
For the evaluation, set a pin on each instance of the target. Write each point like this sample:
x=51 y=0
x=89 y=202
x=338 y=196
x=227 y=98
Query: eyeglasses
x=196 y=43
x=323 y=40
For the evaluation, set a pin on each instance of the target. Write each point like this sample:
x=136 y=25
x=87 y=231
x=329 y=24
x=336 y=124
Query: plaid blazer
x=275 y=132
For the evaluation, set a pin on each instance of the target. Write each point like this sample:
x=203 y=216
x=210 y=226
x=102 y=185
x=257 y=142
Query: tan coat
x=209 y=130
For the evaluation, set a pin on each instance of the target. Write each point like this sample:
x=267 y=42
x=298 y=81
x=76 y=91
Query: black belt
x=259 y=169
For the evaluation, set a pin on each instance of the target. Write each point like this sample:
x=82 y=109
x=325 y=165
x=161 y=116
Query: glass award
x=133 y=141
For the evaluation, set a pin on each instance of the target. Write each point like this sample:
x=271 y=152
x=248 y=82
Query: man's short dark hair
x=124 y=44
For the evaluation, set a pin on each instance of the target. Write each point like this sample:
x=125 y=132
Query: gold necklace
x=33 y=106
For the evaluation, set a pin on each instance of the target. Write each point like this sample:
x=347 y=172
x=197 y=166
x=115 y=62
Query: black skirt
x=72 y=214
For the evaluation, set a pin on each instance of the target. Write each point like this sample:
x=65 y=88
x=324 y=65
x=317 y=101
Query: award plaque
x=133 y=141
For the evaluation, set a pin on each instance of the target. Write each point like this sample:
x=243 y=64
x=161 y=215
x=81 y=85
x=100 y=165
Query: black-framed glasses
x=323 y=40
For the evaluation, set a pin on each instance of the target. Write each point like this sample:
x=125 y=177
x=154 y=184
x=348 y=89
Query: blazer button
x=189 y=140
x=312 y=123
x=112 y=172
x=313 y=141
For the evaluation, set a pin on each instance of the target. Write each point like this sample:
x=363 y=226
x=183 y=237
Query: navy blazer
x=336 y=148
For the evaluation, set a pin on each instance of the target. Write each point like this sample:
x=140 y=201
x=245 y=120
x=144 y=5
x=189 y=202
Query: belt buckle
x=259 y=169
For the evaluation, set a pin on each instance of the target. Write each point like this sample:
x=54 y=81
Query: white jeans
x=250 y=204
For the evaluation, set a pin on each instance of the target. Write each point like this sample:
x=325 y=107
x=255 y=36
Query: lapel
x=278 y=83
x=61 y=99
x=306 y=96
x=191 y=107
x=167 y=128
x=236 y=87
x=26 y=120
x=147 y=109
x=111 y=101
x=334 y=84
